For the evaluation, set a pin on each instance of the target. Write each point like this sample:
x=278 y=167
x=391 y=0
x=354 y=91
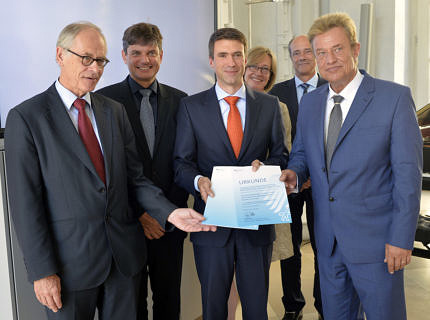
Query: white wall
x=418 y=58
x=400 y=43
x=29 y=30
x=28 y=33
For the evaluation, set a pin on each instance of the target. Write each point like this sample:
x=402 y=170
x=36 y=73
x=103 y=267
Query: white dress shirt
x=348 y=93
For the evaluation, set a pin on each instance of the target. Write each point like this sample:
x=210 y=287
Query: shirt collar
x=312 y=81
x=350 y=90
x=69 y=97
x=135 y=87
x=221 y=94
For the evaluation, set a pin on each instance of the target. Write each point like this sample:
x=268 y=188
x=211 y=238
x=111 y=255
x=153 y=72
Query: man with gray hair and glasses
x=73 y=169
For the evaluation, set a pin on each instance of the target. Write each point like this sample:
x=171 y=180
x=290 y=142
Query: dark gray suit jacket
x=287 y=93
x=67 y=221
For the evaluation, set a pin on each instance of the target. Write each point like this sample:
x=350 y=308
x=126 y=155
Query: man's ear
x=59 y=56
x=124 y=56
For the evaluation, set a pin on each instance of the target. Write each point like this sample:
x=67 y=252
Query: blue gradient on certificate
x=246 y=199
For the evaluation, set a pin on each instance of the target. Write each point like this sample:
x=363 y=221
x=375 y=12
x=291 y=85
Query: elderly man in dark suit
x=290 y=92
x=73 y=169
x=143 y=53
x=229 y=125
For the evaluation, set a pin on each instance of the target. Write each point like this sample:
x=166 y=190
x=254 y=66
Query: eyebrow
x=90 y=55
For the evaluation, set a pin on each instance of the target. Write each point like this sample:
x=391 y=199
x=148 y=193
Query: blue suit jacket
x=372 y=194
x=202 y=143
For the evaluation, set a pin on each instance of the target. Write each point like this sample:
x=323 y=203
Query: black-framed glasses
x=87 y=60
x=263 y=70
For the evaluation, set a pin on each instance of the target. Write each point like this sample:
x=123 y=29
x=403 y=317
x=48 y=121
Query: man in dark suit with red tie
x=290 y=92
x=72 y=170
x=228 y=125
x=155 y=139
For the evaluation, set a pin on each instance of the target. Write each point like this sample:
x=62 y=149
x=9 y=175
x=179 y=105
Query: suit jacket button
x=107 y=218
x=324 y=169
x=331 y=199
x=102 y=190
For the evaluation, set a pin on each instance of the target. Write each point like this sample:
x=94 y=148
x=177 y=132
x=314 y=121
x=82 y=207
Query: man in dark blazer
x=143 y=53
x=290 y=92
x=72 y=170
x=359 y=140
x=209 y=124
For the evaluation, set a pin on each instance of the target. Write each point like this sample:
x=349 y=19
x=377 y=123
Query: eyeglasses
x=263 y=70
x=87 y=60
x=323 y=54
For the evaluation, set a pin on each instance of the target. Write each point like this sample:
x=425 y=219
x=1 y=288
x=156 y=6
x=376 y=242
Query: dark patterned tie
x=305 y=86
x=234 y=125
x=88 y=137
x=334 y=125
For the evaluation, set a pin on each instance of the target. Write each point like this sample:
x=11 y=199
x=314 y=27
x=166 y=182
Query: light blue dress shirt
x=225 y=109
x=313 y=83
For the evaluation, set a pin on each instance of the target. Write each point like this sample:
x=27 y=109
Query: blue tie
x=305 y=86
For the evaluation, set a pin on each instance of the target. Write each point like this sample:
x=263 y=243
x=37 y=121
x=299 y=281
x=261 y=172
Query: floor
x=417 y=283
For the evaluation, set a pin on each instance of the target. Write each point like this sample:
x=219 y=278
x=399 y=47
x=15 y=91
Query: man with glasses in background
x=290 y=92
x=72 y=169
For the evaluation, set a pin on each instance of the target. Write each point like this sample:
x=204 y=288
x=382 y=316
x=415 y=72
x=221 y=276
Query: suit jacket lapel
x=60 y=120
x=362 y=99
x=321 y=125
x=292 y=92
x=104 y=128
x=163 y=109
x=129 y=103
x=251 y=118
x=321 y=81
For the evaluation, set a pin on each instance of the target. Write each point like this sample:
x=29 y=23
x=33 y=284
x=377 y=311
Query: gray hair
x=69 y=33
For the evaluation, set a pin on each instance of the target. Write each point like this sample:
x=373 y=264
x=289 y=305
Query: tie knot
x=337 y=99
x=79 y=104
x=231 y=100
x=305 y=86
x=145 y=92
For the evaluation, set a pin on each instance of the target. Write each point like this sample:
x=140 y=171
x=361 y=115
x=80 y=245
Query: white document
x=247 y=199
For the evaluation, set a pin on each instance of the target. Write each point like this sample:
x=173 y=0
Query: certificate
x=247 y=199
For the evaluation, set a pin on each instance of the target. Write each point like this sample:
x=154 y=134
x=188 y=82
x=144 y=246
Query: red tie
x=89 y=139
x=234 y=125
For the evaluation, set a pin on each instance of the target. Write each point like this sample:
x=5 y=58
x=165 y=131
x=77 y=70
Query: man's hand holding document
x=246 y=199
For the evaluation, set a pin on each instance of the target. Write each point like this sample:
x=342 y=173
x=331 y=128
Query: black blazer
x=66 y=219
x=159 y=168
x=286 y=92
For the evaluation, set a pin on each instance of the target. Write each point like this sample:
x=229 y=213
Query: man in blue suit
x=359 y=140
x=228 y=125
